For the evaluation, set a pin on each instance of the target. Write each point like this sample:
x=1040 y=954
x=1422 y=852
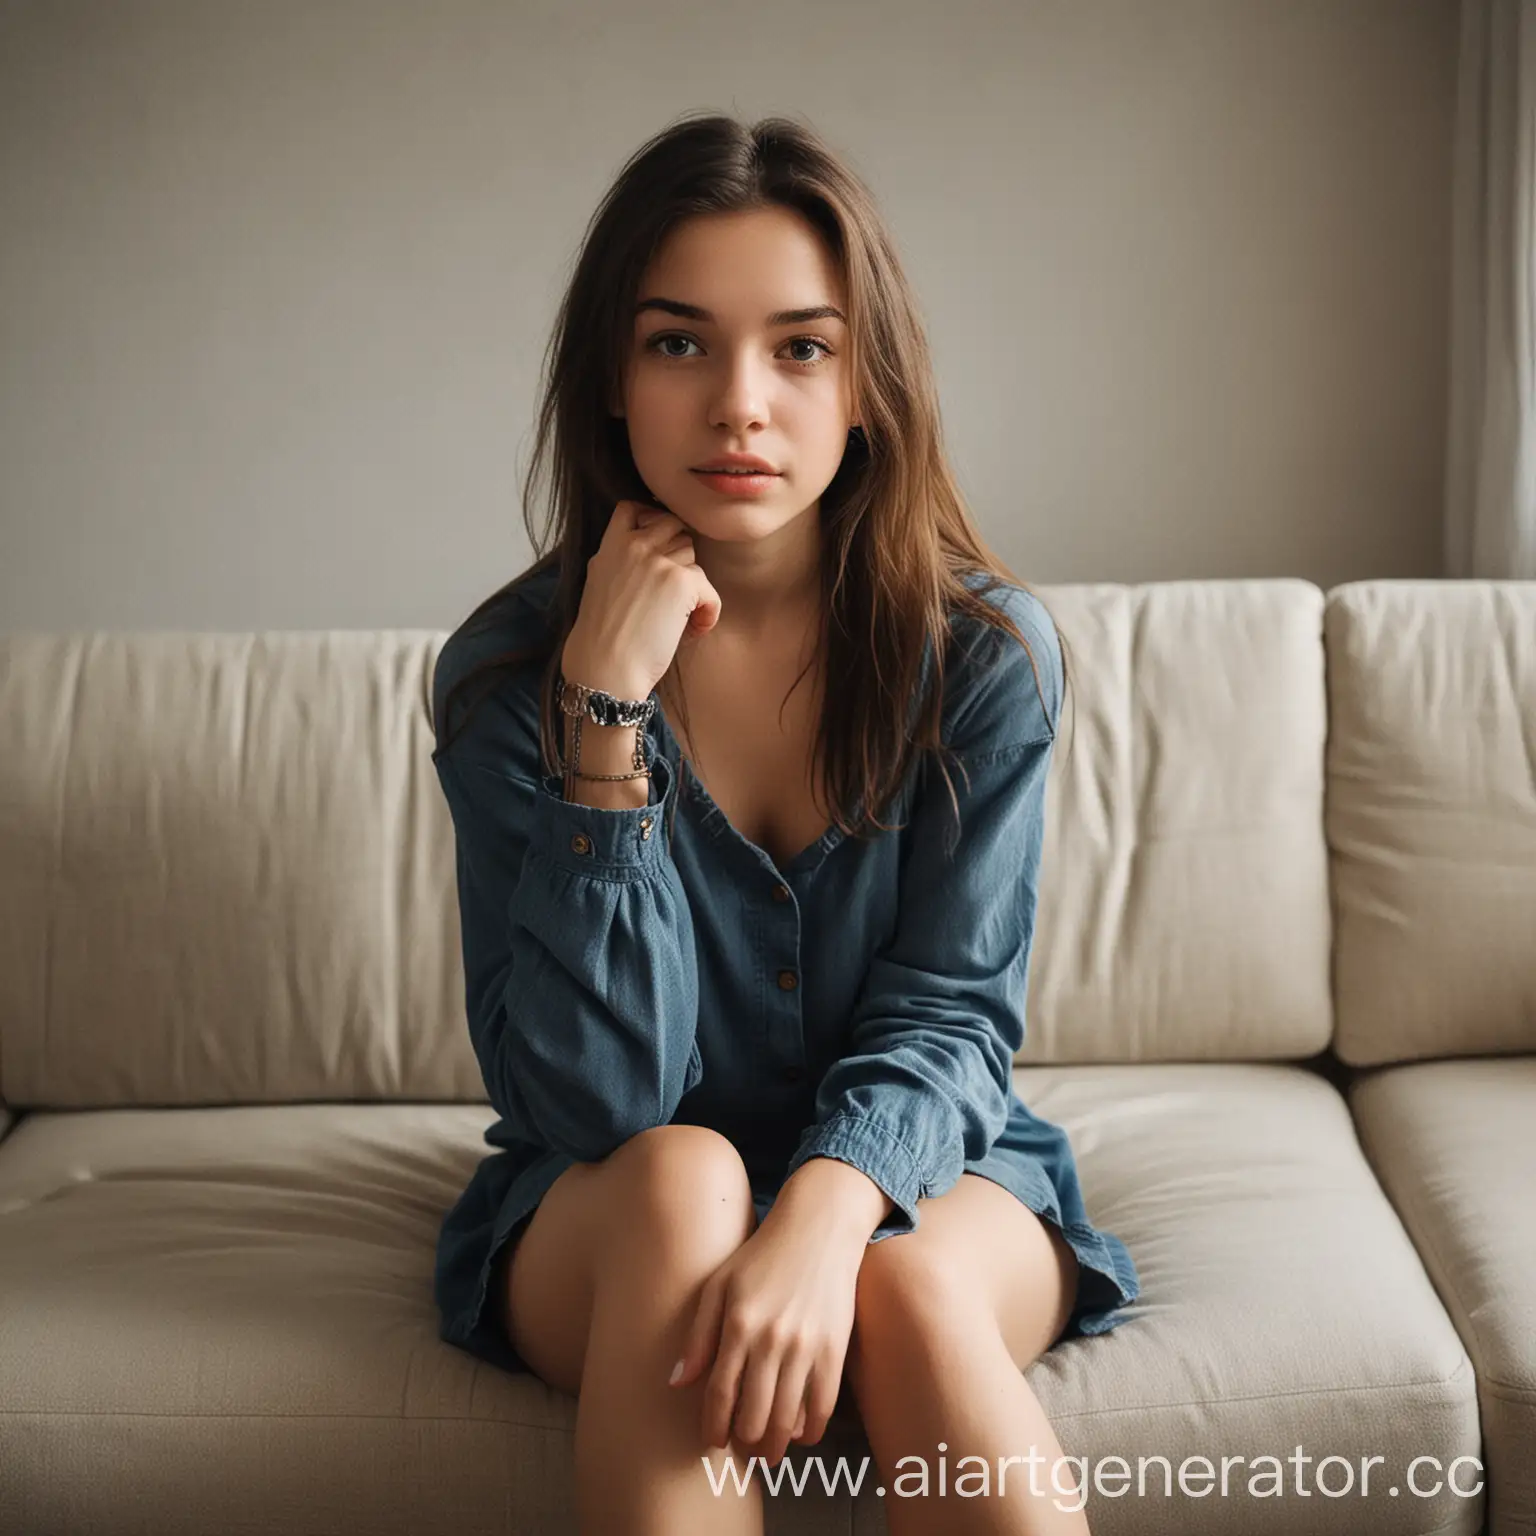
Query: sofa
x=1282 y=996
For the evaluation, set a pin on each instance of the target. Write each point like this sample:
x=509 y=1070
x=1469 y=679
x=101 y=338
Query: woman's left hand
x=776 y=1318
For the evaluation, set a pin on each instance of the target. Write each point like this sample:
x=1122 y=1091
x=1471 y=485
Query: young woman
x=745 y=964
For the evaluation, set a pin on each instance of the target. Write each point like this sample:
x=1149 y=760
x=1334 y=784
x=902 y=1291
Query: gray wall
x=276 y=278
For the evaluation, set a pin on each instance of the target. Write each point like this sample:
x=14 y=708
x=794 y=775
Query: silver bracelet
x=579 y=703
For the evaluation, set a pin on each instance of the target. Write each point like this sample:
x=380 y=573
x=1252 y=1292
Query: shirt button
x=794 y=1074
x=581 y=843
x=788 y=981
x=781 y=893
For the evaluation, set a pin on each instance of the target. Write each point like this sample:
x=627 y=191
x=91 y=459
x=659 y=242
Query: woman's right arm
x=580 y=972
x=581 y=982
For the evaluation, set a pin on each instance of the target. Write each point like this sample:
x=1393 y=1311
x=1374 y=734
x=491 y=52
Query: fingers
x=703 y=1334
x=766 y=1381
x=761 y=1392
x=720 y=1393
x=787 y=1411
x=652 y=524
x=820 y=1399
x=667 y=534
x=705 y=613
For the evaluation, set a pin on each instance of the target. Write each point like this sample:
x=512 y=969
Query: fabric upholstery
x=226 y=875
x=1454 y=1144
x=1184 y=888
x=1432 y=817
x=247 y=1289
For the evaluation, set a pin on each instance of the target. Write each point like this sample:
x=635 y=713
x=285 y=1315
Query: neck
x=767 y=584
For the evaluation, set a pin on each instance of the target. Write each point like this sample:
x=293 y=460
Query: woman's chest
x=754 y=757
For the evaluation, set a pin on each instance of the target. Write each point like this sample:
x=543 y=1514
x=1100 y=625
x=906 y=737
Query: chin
x=738 y=520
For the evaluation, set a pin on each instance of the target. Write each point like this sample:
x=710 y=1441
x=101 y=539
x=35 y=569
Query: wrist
x=836 y=1192
x=603 y=673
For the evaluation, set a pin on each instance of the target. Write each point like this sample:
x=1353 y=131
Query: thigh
x=673 y=1195
x=979 y=1244
x=542 y=1281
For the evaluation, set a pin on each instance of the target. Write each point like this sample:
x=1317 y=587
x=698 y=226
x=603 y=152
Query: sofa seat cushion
x=222 y=1319
x=1282 y=1305
x=1454 y=1144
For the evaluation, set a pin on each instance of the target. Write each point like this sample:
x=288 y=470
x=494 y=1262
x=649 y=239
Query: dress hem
x=1107 y=1280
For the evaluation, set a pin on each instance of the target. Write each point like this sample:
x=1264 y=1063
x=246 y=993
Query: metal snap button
x=645 y=827
x=781 y=893
x=581 y=843
x=788 y=981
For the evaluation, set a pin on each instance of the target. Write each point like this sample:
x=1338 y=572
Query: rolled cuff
x=623 y=844
x=875 y=1151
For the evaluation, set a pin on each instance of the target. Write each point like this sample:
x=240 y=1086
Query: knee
x=907 y=1296
x=683 y=1189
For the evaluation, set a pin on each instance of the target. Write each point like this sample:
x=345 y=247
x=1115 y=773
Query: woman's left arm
x=925 y=1085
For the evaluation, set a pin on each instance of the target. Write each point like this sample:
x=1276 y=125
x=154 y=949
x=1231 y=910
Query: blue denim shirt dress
x=863 y=1002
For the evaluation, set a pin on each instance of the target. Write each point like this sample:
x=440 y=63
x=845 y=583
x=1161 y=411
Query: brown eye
x=809 y=341
x=656 y=343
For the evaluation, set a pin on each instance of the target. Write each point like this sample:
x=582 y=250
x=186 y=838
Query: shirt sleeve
x=926 y=1083
x=581 y=982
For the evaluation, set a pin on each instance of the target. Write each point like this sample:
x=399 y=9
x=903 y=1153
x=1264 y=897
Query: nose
x=741 y=400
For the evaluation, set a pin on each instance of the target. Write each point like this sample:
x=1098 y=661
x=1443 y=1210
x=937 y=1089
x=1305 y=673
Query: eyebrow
x=779 y=317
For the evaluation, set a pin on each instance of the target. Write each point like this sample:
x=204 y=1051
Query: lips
x=736 y=464
x=739 y=486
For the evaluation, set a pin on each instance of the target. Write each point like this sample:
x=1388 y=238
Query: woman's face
x=736 y=379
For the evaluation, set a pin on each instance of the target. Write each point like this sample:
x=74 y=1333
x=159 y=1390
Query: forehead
x=742 y=266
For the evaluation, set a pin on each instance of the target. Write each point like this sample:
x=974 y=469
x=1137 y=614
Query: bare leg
x=601 y=1295
x=945 y=1319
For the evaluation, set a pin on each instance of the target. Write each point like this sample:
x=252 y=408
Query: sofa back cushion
x=1432 y=817
x=1183 y=907
x=226 y=874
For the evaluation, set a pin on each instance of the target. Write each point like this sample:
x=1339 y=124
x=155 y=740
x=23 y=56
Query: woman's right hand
x=644 y=592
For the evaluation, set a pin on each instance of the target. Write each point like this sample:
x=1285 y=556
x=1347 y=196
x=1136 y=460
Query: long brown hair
x=897 y=539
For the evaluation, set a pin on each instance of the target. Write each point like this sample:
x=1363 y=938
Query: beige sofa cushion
x=1184 y=889
x=1282 y=1305
x=226 y=873
x=1455 y=1145
x=1432 y=817
x=249 y=1290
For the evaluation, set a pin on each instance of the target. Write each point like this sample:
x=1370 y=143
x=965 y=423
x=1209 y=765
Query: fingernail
x=677 y=1371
